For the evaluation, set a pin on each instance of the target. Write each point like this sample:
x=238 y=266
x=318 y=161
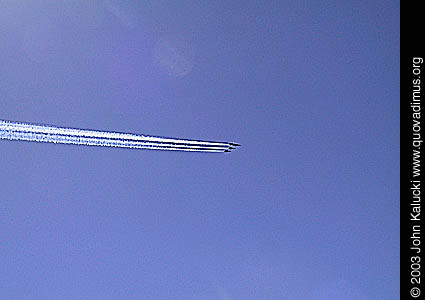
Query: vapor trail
x=10 y=130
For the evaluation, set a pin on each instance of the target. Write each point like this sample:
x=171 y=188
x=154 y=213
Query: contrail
x=10 y=130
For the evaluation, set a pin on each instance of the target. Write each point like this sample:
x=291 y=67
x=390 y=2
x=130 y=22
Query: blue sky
x=307 y=208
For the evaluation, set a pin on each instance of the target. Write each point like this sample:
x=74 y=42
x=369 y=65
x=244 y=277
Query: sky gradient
x=307 y=208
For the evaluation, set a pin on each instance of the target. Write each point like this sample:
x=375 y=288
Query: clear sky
x=307 y=208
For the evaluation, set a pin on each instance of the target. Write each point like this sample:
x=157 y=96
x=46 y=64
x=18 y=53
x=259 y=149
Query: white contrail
x=46 y=133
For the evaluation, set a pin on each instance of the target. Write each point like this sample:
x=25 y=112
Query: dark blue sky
x=307 y=208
